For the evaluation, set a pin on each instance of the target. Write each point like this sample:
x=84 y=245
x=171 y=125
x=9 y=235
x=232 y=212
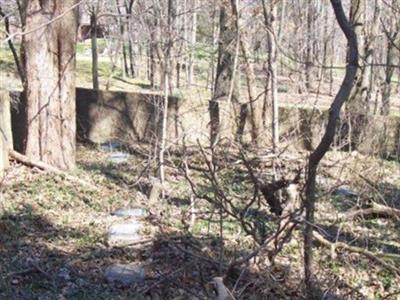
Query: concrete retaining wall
x=136 y=118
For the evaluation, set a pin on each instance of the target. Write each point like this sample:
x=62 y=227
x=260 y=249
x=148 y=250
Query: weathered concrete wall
x=368 y=134
x=136 y=118
x=5 y=130
x=104 y=116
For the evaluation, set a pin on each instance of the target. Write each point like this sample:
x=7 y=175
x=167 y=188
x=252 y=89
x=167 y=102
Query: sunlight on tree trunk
x=50 y=87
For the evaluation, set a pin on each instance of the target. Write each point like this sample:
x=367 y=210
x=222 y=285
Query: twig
x=354 y=249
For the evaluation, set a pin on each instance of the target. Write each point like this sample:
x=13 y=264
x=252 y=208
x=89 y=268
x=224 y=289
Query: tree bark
x=50 y=82
x=255 y=103
x=317 y=155
x=224 y=87
x=358 y=97
x=269 y=15
x=95 y=60
x=393 y=39
x=6 y=141
x=192 y=44
x=309 y=41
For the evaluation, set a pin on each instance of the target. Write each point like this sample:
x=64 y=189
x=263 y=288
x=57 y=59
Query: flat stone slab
x=118 y=157
x=125 y=274
x=345 y=192
x=110 y=147
x=125 y=232
x=129 y=212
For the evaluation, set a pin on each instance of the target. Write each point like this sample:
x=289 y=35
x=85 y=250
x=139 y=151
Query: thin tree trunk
x=391 y=57
x=166 y=86
x=192 y=44
x=269 y=15
x=17 y=61
x=317 y=155
x=309 y=40
x=95 y=60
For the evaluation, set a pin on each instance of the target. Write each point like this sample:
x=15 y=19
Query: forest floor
x=53 y=241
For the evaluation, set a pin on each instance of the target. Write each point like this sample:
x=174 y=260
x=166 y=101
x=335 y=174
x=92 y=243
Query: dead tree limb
x=366 y=253
x=46 y=167
x=376 y=209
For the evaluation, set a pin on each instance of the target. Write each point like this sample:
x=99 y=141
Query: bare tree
x=318 y=154
x=225 y=87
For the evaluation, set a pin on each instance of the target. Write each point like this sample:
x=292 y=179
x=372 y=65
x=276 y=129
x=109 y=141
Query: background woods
x=187 y=149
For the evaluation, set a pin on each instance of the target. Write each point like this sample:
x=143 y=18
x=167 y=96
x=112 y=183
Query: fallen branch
x=46 y=167
x=366 y=253
x=375 y=210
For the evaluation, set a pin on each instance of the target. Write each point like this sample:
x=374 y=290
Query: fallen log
x=373 y=256
x=48 y=168
x=376 y=210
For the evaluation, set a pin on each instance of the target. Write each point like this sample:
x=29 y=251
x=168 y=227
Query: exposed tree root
x=373 y=256
x=46 y=167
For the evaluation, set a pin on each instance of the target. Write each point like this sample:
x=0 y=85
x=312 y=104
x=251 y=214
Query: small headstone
x=118 y=157
x=124 y=233
x=345 y=192
x=125 y=274
x=129 y=212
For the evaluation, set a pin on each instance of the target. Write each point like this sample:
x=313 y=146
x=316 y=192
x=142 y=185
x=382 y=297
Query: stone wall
x=136 y=118
x=5 y=131
x=368 y=134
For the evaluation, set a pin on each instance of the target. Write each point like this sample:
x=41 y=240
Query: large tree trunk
x=358 y=99
x=225 y=88
x=50 y=86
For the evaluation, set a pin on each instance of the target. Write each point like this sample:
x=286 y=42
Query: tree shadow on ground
x=43 y=260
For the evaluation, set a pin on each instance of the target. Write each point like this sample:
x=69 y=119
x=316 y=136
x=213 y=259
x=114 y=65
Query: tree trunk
x=392 y=58
x=6 y=141
x=95 y=60
x=166 y=85
x=50 y=86
x=317 y=155
x=269 y=15
x=192 y=45
x=309 y=41
x=17 y=61
x=358 y=99
x=255 y=103
x=129 y=30
x=224 y=87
